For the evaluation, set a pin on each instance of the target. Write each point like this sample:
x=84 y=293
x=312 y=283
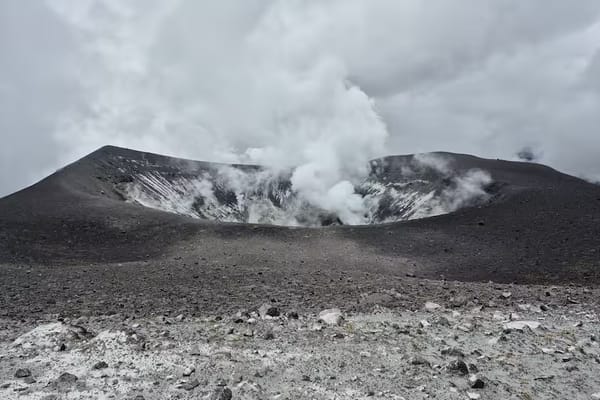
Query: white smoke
x=467 y=188
x=277 y=99
x=397 y=189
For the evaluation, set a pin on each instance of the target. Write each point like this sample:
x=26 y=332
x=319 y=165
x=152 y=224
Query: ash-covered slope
x=492 y=219
x=396 y=189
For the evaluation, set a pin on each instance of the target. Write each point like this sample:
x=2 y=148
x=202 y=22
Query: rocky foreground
x=504 y=349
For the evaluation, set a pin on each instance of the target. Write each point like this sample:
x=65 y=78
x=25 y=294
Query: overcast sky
x=283 y=82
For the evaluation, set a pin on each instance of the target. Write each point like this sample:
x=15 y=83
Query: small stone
x=473 y=396
x=476 y=382
x=332 y=316
x=222 y=393
x=189 y=371
x=292 y=315
x=544 y=378
x=596 y=395
x=458 y=367
x=191 y=385
x=424 y=324
x=520 y=325
x=431 y=306
x=261 y=373
x=269 y=336
x=22 y=373
x=506 y=295
x=67 y=378
x=458 y=301
x=100 y=365
x=453 y=351
x=221 y=382
x=498 y=316
x=546 y=350
x=267 y=310
x=418 y=360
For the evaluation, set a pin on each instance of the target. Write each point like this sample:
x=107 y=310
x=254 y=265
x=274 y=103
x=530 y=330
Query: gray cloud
x=35 y=87
x=298 y=82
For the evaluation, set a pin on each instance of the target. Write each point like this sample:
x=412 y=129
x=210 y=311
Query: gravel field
x=507 y=348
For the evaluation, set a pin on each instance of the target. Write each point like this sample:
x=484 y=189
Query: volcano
x=472 y=219
x=124 y=257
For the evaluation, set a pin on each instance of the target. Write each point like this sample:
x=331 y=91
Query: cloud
x=325 y=85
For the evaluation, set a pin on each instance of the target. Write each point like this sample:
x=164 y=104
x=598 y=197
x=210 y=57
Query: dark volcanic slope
x=538 y=226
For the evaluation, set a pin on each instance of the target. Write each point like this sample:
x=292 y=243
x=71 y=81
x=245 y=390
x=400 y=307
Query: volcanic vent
x=396 y=189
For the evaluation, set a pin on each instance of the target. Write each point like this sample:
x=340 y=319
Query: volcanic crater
x=395 y=189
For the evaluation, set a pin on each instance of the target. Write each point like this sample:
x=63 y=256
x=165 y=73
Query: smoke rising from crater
x=276 y=98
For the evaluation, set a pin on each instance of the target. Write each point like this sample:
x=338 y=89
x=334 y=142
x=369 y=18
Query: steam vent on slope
x=396 y=189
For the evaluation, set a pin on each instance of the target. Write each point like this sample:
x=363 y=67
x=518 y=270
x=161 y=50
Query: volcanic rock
x=22 y=373
x=476 y=382
x=222 y=393
x=100 y=365
x=453 y=351
x=520 y=325
x=67 y=378
x=267 y=310
x=458 y=367
x=191 y=385
x=332 y=316
x=419 y=360
x=431 y=306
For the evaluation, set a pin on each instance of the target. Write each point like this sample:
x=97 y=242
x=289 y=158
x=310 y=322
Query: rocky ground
x=104 y=299
x=516 y=345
